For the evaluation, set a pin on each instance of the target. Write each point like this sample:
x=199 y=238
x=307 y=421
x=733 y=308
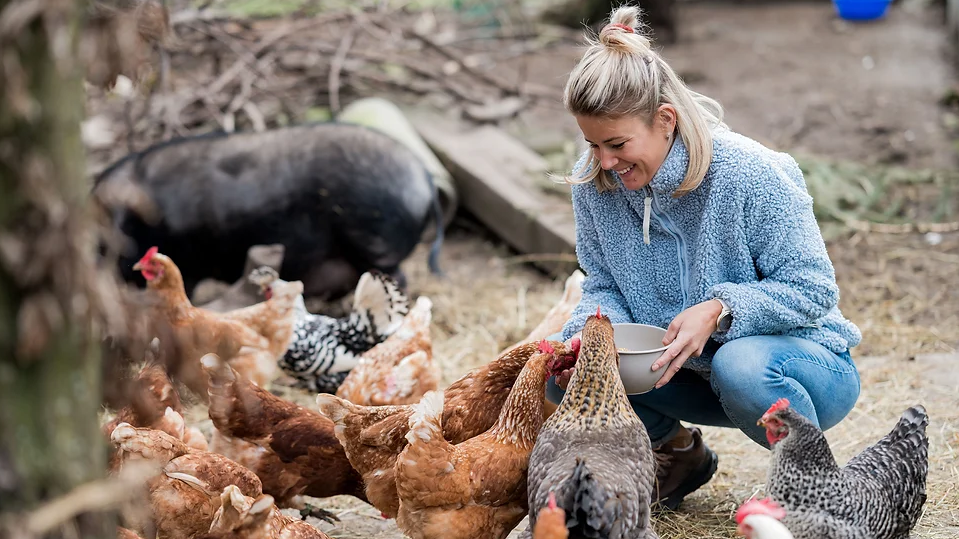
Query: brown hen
x=184 y=495
x=154 y=404
x=551 y=523
x=197 y=331
x=124 y=533
x=274 y=318
x=374 y=436
x=399 y=370
x=243 y=517
x=291 y=448
x=476 y=488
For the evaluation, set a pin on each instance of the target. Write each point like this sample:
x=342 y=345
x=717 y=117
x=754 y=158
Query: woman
x=683 y=224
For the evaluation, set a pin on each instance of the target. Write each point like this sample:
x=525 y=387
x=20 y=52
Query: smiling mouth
x=625 y=170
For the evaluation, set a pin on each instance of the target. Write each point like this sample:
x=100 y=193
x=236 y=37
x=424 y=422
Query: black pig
x=341 y=198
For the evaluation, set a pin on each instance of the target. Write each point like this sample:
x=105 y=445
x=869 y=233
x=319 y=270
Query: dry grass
x=897 y=289
x=901 y=291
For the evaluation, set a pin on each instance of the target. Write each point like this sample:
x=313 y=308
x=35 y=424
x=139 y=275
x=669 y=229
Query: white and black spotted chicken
x=324 y=349
x=878 y=494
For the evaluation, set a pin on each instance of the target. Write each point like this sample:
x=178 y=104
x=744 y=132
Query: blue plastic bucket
x=861 y=10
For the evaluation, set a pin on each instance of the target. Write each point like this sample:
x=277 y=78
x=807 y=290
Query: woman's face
x=628 y=145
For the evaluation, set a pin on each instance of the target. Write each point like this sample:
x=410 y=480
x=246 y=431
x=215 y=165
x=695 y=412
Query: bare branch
x=91 y=497
x=337 y=65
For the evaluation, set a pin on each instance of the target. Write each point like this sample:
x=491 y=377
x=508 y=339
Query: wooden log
x=498 y=180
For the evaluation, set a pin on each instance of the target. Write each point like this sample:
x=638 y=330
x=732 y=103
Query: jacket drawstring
x=647 y=207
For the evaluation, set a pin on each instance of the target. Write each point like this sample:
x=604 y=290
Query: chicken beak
x=138 y=266
x=762 y=421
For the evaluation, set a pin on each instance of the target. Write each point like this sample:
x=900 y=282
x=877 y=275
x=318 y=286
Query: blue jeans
x=748 y=375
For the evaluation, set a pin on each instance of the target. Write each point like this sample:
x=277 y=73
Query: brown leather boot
x=680 y=471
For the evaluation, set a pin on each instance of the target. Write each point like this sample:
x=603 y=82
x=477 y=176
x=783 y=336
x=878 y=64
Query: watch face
x=725 y=322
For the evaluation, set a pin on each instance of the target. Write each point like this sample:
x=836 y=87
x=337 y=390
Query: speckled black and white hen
x=324 y=349
x=878 y=494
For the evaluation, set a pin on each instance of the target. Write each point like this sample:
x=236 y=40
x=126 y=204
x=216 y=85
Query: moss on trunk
x=49 y=359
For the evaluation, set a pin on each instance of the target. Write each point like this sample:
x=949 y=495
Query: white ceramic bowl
x=634 y=369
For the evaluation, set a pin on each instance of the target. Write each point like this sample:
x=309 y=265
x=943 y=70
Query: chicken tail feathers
x=900 y=461
x=380 y=297
x=427 y=418
x=221 y=389
x=590 y=512
x=911 y=428
x=333 y=407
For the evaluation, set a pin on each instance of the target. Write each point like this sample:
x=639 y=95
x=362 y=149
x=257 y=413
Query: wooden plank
x=498 y=180
x=952 y=22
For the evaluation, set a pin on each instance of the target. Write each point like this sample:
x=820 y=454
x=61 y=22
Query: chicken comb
x=781 y=404
x=598 y=314
x=151 y=252
x=551 y=502
x=766 y=506
x=574 y=344
x=545 y=347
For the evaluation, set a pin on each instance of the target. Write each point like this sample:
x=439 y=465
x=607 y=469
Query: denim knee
x=751 y=373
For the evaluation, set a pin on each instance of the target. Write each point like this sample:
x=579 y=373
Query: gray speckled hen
x=878 y=494
x=594 y=452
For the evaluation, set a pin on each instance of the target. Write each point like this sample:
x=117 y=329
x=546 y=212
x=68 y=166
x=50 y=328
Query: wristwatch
x=725 y=317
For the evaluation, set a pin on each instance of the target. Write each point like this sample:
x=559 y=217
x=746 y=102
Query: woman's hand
x=562 y=378
x=686 y=336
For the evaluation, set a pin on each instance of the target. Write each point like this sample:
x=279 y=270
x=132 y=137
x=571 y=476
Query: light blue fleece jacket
x=746 y=235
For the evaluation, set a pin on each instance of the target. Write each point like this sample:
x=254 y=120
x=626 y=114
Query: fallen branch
x=99 y=495
x=337 y=65
x=419 y=68
x=503 y=86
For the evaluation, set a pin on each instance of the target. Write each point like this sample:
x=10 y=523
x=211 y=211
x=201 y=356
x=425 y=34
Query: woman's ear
x=667 y=117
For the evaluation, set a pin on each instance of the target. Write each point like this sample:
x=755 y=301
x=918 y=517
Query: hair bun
x=621 y=26
x=625 y=31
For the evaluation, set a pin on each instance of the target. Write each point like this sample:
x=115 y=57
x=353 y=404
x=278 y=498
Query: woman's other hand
x=562 y=378
x=686 y=336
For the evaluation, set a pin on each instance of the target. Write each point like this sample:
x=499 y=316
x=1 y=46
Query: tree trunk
x=49 y=359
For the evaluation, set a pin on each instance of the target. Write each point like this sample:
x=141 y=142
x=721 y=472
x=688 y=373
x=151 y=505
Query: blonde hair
x=620 y=75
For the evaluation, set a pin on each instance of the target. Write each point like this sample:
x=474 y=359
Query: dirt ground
x=796 y=78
